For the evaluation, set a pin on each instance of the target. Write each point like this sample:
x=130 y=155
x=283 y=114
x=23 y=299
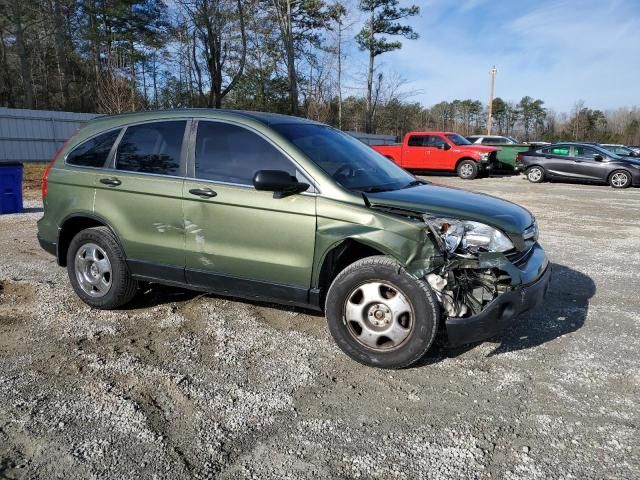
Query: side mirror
x=279 y=182
x=598 y=158
x=445 y=146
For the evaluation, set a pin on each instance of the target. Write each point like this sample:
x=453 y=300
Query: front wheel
x=620 y=179
x=380 y=315
x=467 y=169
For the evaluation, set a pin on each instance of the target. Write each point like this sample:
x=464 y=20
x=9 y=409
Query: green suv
x=282 y=209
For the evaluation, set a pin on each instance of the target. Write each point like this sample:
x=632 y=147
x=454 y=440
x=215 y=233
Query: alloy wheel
x=534 y=174
x=619 y=179
x=466 y=170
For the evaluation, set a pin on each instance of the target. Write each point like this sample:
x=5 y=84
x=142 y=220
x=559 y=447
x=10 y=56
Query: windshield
x=458 y=139
x=350 y=162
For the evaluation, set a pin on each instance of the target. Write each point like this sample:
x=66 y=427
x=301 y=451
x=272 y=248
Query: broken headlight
x=464 y=236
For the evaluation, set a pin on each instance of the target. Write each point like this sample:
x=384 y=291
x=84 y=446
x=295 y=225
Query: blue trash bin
x=10 y=188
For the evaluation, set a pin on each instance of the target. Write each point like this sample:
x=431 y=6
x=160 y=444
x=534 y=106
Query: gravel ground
x=183 y=385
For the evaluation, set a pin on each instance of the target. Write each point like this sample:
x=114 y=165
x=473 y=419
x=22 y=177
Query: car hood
x=631 y=160
x=451 y=202
x=477 y=148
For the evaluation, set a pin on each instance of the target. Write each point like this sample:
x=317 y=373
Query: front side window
x=585 y=152
x=458 y=139
x=349 y=162
x=152 y=148
x=94 y=152
x=434 y=141
x=232 y=154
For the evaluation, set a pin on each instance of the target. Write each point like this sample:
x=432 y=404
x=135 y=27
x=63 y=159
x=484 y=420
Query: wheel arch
x=342 y=254
x=462 y=159
x=74 y=224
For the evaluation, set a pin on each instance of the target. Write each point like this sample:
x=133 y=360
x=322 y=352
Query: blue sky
x=560 y=51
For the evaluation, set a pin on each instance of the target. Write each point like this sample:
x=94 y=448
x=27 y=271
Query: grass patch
x=32 y=179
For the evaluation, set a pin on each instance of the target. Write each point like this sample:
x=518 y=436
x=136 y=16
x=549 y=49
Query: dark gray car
x=578 y=162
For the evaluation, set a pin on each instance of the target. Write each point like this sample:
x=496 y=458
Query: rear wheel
x=98 y=271
x=535 y=174
x=467 y=169
x=620 y=179
x=380 y=315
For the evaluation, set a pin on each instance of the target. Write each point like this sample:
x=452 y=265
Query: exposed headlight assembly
x=484 y=157
x=461 y=236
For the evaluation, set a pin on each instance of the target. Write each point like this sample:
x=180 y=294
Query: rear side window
x=564 y=151
x=152 y=148
x=231 y=154
x=416 y=141
x=94 y=152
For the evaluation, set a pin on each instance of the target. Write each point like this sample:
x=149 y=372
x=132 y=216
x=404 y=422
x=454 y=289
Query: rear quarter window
x=93 y=152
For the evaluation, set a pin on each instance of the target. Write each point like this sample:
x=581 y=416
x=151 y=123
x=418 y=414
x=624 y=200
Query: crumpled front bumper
x=531 y=282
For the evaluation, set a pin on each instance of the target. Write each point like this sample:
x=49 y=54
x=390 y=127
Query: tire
x=98 y=271
x=620 y=179
x=373 y=297
x=535 y=174
x=467 y=169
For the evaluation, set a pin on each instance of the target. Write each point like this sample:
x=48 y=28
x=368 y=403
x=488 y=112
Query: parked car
x=579 y=162
x=620 y=150
x=491 y=139
x=444 y=151
x=277 y=208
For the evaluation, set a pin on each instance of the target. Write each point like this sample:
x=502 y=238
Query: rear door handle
x=203 y=192
x=113 y=182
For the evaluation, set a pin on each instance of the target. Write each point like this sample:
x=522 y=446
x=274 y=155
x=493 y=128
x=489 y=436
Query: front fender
x=399 y=237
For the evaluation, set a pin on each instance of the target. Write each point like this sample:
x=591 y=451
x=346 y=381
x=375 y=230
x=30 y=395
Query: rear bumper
x=49 y=247
x=503 y=310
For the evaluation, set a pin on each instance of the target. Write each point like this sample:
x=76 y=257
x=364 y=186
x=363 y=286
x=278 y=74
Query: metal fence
x=36 y=135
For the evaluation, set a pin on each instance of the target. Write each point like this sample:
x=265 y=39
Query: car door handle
x=203 y=192
x=112 y=182
x=578 y=161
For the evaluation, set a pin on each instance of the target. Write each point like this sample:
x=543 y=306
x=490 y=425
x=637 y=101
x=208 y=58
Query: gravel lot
x=183 y=385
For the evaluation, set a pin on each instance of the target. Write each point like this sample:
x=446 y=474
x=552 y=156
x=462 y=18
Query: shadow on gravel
x=564 y=310
x=154 y=294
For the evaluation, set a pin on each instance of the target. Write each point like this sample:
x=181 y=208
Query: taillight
x=519 y=157
x=45 y=175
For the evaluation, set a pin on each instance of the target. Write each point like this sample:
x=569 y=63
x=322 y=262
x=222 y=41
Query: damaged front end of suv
x=487 y=278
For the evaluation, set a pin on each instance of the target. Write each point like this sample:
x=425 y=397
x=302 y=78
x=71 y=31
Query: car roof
x=262 y=117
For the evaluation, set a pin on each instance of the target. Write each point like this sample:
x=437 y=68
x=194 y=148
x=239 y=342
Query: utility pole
x=493 y=72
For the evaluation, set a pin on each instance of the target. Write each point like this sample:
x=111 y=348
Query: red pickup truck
x=447 y=151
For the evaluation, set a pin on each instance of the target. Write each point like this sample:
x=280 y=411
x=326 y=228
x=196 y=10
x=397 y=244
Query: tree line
x=286 y=56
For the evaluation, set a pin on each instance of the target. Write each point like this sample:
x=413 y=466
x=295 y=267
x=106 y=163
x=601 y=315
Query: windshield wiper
x=414 y=183
x=375 y=189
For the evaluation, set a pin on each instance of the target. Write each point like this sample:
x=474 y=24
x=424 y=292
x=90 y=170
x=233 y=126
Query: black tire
x=423 y=308
x=467 y=169
x=122 y=286
x=614 y=179
x=535 y=174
